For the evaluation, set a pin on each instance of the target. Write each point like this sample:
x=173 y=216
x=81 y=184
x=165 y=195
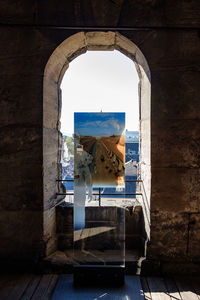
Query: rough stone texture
x=183 y=143
x=194 y=236
x=49 y=229
x=173 y=57
x=20 y=11
x=100 y=41
x=64 y=226
x=180 y=191
x=169 y=235
x=20 y=232
x=116 y=13
x=105 y=13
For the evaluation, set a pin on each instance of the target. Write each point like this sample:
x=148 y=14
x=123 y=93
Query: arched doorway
x=57 y=65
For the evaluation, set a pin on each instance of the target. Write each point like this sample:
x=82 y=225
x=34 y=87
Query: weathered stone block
x=173 y=189
x=64 y=218
x=25 y=92
x=194 y=236
x=20 y=11
x=169 y=234
x=21 y=233
x=26 y=42
x=100 y=40
x=145 y=147
x=19 y=138
x=119 y=13
x=54 y=68
x=49 y=232
x=170 y=102
x=50 y=13
x=106 y=13
x=158 y=13
x=51 y=104
x=19 y=194
x=124 y=47
x=175 y=143
x=20 y=162
x=50 y=148
x=73 y=46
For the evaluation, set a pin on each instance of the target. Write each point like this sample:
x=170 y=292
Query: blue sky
x=99 y=124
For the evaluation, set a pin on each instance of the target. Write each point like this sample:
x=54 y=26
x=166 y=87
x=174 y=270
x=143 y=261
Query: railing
x=145 y=202
x=99 y=194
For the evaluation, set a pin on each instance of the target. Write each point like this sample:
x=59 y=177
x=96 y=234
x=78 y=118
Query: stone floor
x=58 y=287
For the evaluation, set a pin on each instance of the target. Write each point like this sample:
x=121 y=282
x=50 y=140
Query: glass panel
x=99 y=188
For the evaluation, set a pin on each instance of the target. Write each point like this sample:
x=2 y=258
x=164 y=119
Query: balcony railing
x=143 y=201
x=142 y=194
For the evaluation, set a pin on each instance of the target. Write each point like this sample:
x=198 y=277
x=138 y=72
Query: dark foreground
x=52 y=286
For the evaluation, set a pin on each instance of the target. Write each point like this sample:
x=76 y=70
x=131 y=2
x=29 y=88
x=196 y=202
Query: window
x=56 y=67
x=98 y=81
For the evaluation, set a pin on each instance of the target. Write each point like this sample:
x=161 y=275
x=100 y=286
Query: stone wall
x=167 y=33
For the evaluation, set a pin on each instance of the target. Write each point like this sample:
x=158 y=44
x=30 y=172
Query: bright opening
x=98 y=81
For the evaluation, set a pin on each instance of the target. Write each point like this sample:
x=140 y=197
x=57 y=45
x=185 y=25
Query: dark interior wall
x=175 y=140
x=21 y=142
x=168 y=34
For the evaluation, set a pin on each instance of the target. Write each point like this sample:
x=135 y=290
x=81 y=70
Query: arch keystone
x=100 y=40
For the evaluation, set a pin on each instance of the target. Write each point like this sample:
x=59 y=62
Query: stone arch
x=57 y=64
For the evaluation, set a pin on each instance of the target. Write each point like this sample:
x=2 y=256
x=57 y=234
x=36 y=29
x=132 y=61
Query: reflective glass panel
x=99 y=188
